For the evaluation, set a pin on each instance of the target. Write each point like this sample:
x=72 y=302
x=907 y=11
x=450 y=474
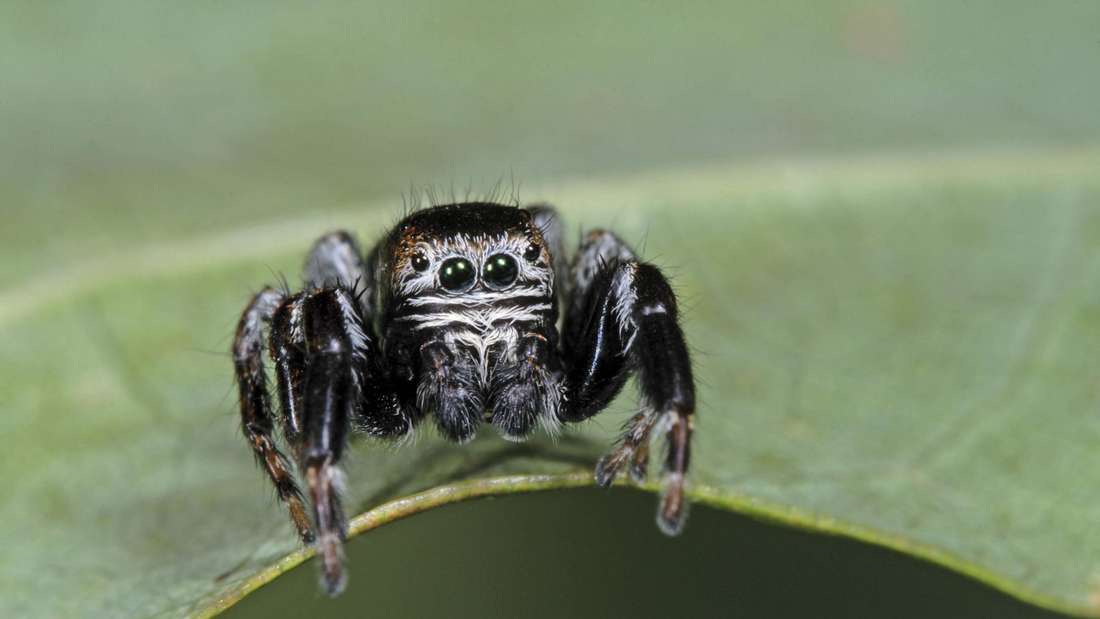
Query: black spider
x=454 y=315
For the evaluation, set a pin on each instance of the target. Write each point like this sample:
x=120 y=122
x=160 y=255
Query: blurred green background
x=159 y=120
x=125 y=123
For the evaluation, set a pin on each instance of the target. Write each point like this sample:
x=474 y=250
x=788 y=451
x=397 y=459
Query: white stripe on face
x=479 y=319
x=479 y=297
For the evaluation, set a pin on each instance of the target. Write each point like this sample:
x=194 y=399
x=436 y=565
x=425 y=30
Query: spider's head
x=459 y=249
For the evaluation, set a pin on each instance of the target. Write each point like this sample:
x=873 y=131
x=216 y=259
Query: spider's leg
x=449 y=389
x=599 y=249
x=592 y=342
x=343 y=383
x=288 y=350
x=336 y=261
x=527 y=391
x=336 y=347
x=256 y=416
x=623 y=318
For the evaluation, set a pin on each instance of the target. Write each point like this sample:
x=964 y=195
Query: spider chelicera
x=453 y=315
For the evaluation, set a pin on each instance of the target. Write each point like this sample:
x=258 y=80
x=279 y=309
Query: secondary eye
x=500 y=271
x=420 y=262
x=456 y=274
x=532 y=252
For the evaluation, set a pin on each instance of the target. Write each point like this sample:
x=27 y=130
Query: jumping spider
x=453 y=315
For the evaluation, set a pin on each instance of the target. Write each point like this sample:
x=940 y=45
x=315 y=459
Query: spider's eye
x=500 y=271
x=420 y=261
x=456 y=274
x=532 y=252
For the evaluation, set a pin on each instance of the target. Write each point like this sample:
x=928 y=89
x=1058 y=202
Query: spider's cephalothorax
x=453 y=315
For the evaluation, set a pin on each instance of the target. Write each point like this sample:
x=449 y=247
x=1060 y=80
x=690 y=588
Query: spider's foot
x=330 y=550
x=608 y=467
x=672 y=511
x=301 y=521
x=324 y=479
x=633 y=447
x=639 y=464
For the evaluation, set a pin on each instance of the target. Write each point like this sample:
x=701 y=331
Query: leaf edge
x=744 y=504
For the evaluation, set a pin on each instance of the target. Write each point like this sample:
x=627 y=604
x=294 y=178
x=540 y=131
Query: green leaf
x=889 y=348
x=899 y=350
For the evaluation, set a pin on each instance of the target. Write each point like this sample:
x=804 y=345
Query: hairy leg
x=287 y=346
x=257 y=420
x=330 y=379
x=594 y=342
x=336 y=261
x=588 y=278
x=626 y=320
x=665 y=377
x=331 y=398
x=526 y=390
x=449 y=388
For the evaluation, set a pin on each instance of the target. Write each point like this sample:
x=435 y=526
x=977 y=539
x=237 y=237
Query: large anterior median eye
x=456 y=274
x=499 y=271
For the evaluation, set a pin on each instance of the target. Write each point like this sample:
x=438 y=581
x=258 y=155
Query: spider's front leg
x=328 y=399
x=342 y=381
x=622 y=317
x=329 y=374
